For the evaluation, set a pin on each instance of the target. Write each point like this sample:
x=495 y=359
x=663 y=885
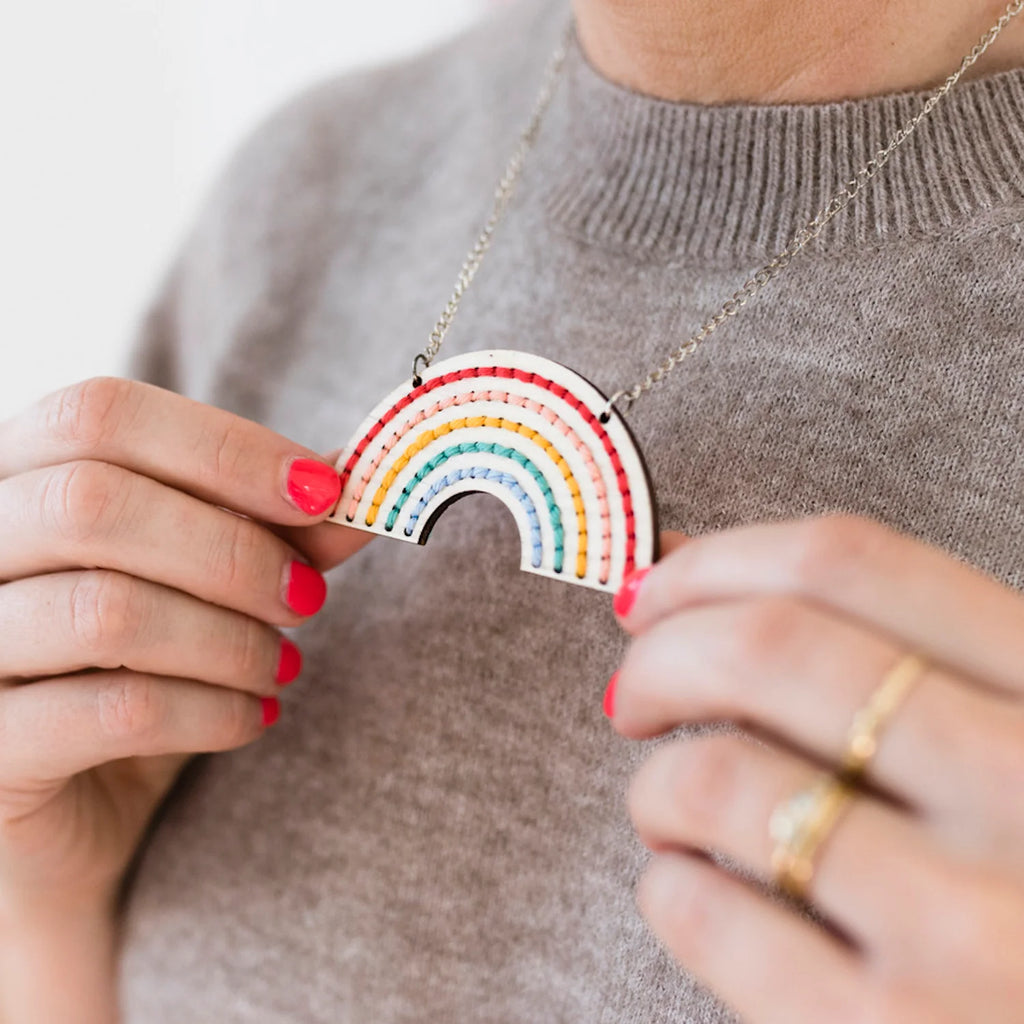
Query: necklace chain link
x=502 y=197
x=840 y=199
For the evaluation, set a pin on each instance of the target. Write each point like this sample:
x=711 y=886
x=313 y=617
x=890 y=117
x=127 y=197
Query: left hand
x=785 y=630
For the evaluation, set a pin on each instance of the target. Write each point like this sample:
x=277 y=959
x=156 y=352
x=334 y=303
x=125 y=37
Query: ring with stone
x=800 y=825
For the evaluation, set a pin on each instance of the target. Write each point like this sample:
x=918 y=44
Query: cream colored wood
x=547 y=447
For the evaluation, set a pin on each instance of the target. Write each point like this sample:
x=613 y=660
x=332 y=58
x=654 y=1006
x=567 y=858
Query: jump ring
x=417 y=379
x=609 y=406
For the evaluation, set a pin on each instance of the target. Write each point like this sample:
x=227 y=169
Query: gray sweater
x=435 y=831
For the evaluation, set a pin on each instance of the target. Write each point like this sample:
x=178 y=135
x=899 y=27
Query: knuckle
x=84 y=414
x=105 y=615
x=236 y=724
x=238 y=553
x=834 y=549
x=81 y=500
x=131 y=709
x=251 y=646
x=762 y=632
x=222 y=455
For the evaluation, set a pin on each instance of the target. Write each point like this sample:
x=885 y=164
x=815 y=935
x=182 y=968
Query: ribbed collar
x=725 y=183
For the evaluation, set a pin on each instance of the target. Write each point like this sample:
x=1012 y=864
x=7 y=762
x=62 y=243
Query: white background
x=116 y=115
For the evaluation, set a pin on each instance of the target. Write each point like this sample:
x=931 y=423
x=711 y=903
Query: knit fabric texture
x=436 y=829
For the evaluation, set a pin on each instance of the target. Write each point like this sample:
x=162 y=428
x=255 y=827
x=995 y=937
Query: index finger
x=206 y=452
x=918 y=595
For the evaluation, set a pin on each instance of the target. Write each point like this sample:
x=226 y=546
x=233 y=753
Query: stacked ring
x=800 y=825
x=868 y=723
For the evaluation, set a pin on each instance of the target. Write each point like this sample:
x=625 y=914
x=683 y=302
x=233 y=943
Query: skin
x=117 y=553
x=788 y=51
x=140 y=624
x=784 y=630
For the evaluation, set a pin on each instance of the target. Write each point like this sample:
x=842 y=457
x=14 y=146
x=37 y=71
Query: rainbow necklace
x=533 y=433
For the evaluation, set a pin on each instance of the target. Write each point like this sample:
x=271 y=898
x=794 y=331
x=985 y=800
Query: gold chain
x=840 y=199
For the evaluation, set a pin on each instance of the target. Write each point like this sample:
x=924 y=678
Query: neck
x=788 y=51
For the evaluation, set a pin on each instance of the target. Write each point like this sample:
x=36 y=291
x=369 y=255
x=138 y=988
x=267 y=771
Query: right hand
x=138 y=615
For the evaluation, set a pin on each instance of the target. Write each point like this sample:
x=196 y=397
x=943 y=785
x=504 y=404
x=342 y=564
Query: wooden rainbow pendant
x=520 y=427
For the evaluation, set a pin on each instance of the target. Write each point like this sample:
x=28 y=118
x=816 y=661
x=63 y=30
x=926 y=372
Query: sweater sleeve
x=274 y=248
x=236 y=290
x=154 y=353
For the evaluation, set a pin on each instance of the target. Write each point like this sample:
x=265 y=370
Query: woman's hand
x=139 y=619
x=786 y=630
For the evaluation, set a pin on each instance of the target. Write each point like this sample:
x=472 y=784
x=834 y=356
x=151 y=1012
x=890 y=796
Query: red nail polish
x=307 y=589
x=289 y=665
x=626 y=597
x=271 y=710
x=609 y=696
x=313 y=486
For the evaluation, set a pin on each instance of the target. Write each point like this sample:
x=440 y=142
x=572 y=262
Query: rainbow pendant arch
x=528 y=431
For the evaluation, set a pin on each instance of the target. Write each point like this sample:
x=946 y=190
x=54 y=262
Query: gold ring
x=800 y=825
x=868 y=723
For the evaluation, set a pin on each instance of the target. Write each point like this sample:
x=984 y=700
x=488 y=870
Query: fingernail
x=626 y=597
x=289 y=665
x=271 y=710
x=609 y=696
x=306 y=590
x=313 y=486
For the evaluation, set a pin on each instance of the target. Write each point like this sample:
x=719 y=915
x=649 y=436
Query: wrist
x=58 y=959
x=39 y=911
